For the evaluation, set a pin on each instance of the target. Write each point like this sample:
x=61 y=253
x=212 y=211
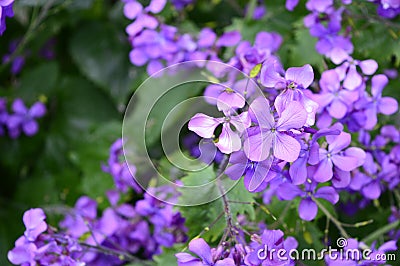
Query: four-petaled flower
x=274 y=135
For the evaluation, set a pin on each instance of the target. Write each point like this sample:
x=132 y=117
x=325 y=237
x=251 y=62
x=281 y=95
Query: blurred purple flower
x=24 y=119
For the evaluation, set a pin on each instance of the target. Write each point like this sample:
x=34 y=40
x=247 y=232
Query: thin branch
x=337 y=223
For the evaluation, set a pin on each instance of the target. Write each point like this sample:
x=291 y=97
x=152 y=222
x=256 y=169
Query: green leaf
x=81 y=107
x=37 y=2
x=91 y=154
x=167 y=257
x=41 y=80
x=102 y=56
x=302 y=50
x=242 y=196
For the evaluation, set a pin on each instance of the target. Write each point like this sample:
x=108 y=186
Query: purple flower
x=248 y=56
x=207 y=256
x=229 y=140
x=348 y=72
x=336 y=100
x=330 y=43
x=291 y=4
x=319 y=5
x=6 y=10
x=24 y=118
x=270 y=135
x=310 y=154
x=346 y=161
x=34 y=223
x=377 y=104
x=256 y=174
x=296 y=80
x=229 y=39
x=308 y=209
x=122 y=173
x=370 y=182
x=84 y=212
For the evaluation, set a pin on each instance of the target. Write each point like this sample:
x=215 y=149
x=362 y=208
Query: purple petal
x=229 y=39
x=327 y=193
x=358 y=153
x=293 y=117
x=324 y=171
x=30 y=127
x=341 y=179
x=138 y=57
x=353 y=79
x=156 y=6
x=202 y=249
x=20 y=255
x=236 y=171
x=388 y=246
x=203 y=125
x=308 y=209
x=132 y=9
x=19 y=107
x=286 y=147
x=372 y=190
x=258 y=146
x=298 y=171
x=206 y=37
x=185 y=259
x=368 y=67
x=301 y=75
x=229 y=100
x=378 y=82
x=34 y=223
x=33 y=218
x=291 y=4
x=372 y=120
x=241 y=122
x=338 y=55
x=337 y=109
x=37 y=110
x=345 y=163
x=225 y=262
x=228 y=141
x=212 y=93
x=288 y=191
x=269 y=76
x=358 y=181
x=260 y=113
x=154 y=66
x=338 y=143
x=254 y=179
x=388 y=106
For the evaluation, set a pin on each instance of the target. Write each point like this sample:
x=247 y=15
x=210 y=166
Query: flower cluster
x=388 y=9
x=18 y=60
x=132 y=225
x=119 y=169
x=41 y=245
x=141 y=229
x=22 y=119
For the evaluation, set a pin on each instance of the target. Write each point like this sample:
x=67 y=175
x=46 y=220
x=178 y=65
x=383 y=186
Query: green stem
x=381 y=231
x=337 y=223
